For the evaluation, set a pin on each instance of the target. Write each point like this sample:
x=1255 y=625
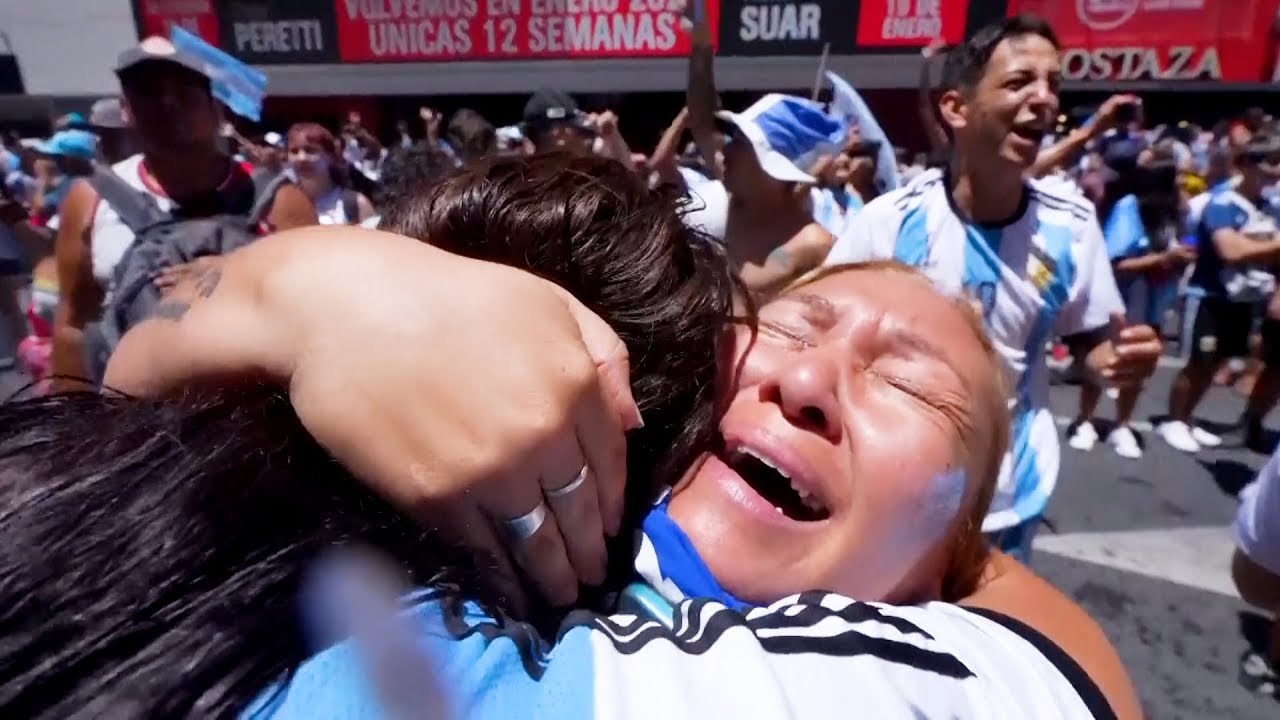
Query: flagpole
x=822 y=71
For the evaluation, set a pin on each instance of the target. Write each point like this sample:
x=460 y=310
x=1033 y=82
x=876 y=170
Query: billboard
x=1107 y=41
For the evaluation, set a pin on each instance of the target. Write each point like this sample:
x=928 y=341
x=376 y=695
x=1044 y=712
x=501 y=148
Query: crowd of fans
x=906 y=306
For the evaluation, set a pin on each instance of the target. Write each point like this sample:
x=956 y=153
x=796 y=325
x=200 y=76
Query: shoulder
x=1055 y=202
x=922 y=187
x=129 y=168
x=1226 y=198
x=809 y=652
x=802 y=657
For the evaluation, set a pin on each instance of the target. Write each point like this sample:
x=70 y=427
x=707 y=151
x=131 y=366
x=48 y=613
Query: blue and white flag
x=236 y=84
x=848 y=104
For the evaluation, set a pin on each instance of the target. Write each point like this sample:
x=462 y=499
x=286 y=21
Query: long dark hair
x=153 y=550
x=1154 y=184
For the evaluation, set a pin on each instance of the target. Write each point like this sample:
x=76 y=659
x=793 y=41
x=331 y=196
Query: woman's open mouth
x=775 y=485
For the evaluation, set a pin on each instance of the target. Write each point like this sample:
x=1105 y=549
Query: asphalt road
x=1144 y=546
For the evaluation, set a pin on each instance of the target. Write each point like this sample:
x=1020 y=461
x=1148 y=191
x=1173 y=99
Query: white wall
x=67 y=47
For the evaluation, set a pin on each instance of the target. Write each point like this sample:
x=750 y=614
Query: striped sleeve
x=815 y=654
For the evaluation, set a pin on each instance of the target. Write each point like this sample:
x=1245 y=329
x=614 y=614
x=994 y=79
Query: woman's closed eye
x=794 y=334
x=948 y=402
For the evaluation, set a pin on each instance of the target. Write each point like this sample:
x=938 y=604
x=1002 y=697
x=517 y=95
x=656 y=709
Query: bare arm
x=1236 y=248
x=365 y=205
x=663 y=159
x=794 y=258
x=1013 y=590
x=614 y=145
x=80 y=296
x=1076 y=140
x=702 y=100
x=1058 y=153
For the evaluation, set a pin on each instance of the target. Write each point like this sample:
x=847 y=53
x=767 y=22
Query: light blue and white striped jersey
x=833 y=209
x=814 y=655
x=1044 y=274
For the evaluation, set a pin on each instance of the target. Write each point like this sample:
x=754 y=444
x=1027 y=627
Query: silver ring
x=523 y=527
x=569 y=487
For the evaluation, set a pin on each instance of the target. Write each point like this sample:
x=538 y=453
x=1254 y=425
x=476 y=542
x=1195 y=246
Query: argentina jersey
x=1044 y=274
x=807 y=656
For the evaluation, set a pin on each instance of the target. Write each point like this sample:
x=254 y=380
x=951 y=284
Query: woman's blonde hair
x=968 y=551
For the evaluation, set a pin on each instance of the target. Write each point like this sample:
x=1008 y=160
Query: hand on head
x=463 y=439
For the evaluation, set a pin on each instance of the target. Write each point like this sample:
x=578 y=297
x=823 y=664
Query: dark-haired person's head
x=154 y=570
x=1155 y=185
x=313 y=152
x=594 y=227
x=553 y=123
x=1258 y=161
x=408 y=171
x=1000 y=91
x=470 y=135
x=168 y=98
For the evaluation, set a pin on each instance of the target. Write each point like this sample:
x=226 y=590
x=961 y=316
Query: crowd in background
x=90 y=212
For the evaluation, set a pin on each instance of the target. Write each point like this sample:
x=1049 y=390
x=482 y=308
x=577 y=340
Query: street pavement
x=1145 y=546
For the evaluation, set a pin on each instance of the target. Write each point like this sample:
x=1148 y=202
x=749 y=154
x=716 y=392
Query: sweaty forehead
x=902 y=303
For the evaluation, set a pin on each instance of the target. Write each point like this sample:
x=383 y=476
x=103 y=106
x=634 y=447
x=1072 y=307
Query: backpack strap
x=138 y=210
x=351 y=206
x=266 y=197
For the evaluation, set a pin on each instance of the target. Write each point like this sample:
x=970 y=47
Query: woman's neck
x=315 y=186
x=986 y=198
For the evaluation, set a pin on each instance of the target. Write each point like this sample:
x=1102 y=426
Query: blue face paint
x=942 y=501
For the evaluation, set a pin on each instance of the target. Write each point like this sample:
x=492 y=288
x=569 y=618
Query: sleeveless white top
x=110 y=236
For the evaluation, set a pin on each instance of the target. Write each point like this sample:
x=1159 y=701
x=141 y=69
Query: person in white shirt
x=315 y=165
x=1030 y=257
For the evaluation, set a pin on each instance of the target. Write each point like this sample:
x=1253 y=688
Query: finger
x=1116 y=324
x=1137 y=333
x=542 y=555
x=610 y=356
x=600 y=435
x=483 y=538
x=576 y=507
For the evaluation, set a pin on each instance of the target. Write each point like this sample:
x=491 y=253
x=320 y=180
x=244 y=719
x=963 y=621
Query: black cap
x=159 y=49
x=548 y=106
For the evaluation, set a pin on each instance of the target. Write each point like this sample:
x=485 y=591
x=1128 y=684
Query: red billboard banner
x=198 y=17
x=910 y=23
x=1144 y=40
x=441 y=30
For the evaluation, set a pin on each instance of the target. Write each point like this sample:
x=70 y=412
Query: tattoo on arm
x=170 y=310
x=207 y=282
x=204 y=282
x=779 y=259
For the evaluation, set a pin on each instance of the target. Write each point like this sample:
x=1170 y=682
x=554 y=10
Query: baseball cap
x=159 y=49
x=70 y=143
x=547 y=106
x=787 y=134
x=107 y=114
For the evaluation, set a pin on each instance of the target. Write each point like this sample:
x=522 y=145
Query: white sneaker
x=1083 y=437
x=1125 y=442
x=1204 y=437
x=1178 y=435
